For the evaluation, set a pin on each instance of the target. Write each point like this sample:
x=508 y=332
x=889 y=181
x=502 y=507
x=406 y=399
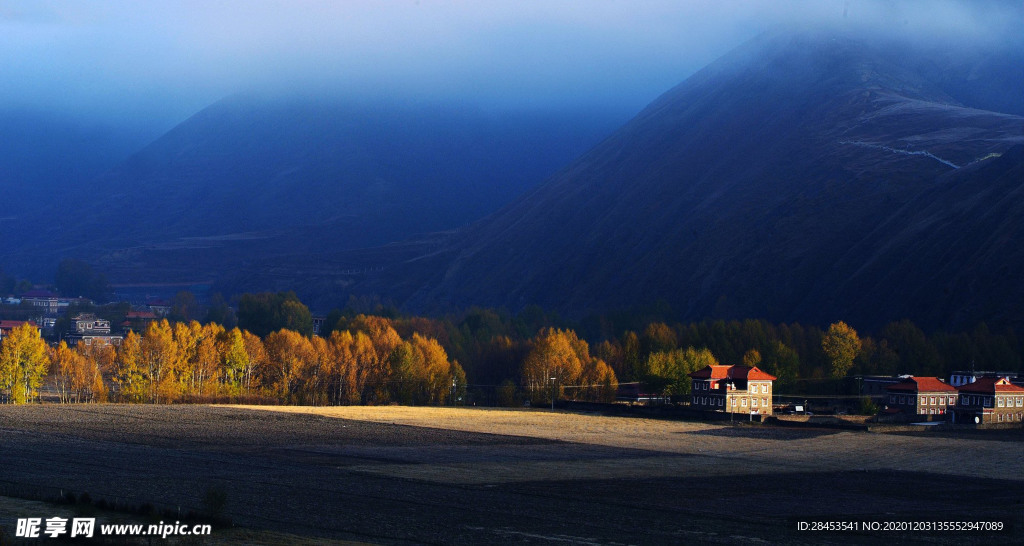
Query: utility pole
x=553 y=393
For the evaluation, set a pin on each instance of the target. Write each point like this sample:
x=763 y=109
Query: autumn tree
x=599 y=381
x=375 y=366
x=63 y=360
x=289 y=353
x=208 y=358
x=343 y=375
x=23 y=363
x=131 y=372
x=160 y=356
x=751 y=358
x=841 y=346
x=236 y=364
x=552 y=362
x=669 y=372
x=257 y=358
x=76 y=374
x=99 y=362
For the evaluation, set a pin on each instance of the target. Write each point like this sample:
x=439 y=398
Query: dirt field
x=443 y=475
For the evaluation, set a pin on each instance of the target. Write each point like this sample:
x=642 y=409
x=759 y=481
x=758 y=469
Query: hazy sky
x=159 y=61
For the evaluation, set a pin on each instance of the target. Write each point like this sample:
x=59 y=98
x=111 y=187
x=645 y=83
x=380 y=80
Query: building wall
x=923 y=403
x=756 y=396
x=988 y=408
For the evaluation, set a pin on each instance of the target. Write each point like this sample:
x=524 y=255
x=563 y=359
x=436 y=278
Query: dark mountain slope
x=249 y=178
x=953 y=251
x=42 y=154
x=758 y=188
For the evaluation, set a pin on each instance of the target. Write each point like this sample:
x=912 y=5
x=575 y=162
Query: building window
x=1019 y=401
x=892 y=399
x=743 y=402
x=999 y=401
x=721 y=402
x=933 y=401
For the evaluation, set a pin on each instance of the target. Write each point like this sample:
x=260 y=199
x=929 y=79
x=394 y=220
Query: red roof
x=141 y=315
x=12 y=324
x=922 y=384
x=39 y=294
x=732 y=372
x=991 y=385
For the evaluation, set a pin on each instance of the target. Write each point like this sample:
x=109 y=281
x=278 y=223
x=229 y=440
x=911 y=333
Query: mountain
x=251 y=177
x=807 y=176
x=42 y=154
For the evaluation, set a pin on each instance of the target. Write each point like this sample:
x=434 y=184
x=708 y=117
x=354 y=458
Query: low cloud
x=159 y=61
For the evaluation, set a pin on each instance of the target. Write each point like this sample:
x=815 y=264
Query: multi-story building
x=90 y=329
x=989 y=400
x=88 y=323
x=735 y=389
x=918 y=396
x=44 y=300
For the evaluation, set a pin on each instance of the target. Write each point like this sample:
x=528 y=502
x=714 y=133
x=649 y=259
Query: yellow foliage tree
x=23 y=363
x=841 y=346
x=131 y=374
x=556 y=359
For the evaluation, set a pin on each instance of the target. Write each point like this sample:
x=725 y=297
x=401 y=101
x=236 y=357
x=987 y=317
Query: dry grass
x=715 y=449
x=465 y=475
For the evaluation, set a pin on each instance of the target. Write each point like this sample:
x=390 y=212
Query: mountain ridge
x=734 y=194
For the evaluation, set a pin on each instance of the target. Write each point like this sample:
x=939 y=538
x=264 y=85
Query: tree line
x=807 y=359
x=182 y=362
x=480 y=356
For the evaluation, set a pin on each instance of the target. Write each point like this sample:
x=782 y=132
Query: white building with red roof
x=735 y=389
x=920 y=396
x=989 y=400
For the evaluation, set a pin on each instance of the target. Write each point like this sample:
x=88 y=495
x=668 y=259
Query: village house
x=137 y=321
x=44 y=300
x=90 y=329
x=989 y=400
x=733 y=389
x=915 y=397
x=159 y=307
x=7 y=325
